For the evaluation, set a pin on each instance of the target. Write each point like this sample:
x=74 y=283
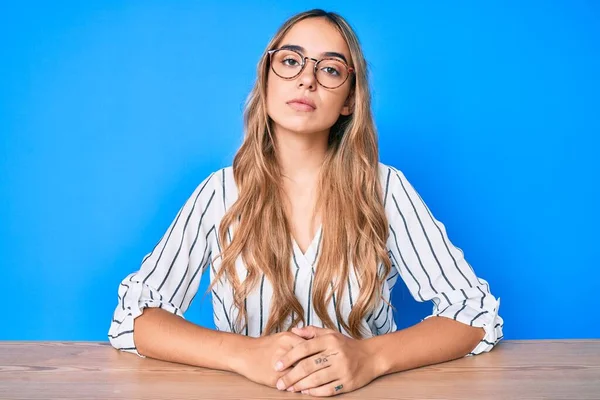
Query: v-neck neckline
x=310 y=256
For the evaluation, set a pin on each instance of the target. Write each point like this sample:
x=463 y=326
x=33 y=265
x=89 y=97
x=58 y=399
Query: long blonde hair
x=354 y=225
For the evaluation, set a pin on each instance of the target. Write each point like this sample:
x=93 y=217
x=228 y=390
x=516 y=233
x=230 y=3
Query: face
x=315 y=38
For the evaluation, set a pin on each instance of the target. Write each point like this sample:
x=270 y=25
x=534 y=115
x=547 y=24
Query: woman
x=305 y=236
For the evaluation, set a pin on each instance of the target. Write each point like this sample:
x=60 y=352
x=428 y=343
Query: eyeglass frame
x=350 y=70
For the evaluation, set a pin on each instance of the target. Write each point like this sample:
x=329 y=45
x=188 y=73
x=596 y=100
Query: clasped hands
x=326 y=364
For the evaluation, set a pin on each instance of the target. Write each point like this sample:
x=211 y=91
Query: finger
x=310 y=332
x=304 y=369
x=299 y=352
x=306 y=333
x=317 y=379
x=297 y=339
x=302 y=333
x=329 y=389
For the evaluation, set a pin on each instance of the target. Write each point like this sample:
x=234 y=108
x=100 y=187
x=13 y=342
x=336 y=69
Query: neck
x=300 y=155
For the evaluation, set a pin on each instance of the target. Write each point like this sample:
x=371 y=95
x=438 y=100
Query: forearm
x=432 y=341
x=165 y=336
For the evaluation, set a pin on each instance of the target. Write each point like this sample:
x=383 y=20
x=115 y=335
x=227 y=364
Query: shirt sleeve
x=433 y=268
x=170 y=275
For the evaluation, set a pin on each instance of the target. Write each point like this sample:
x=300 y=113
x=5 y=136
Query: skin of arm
x=431 y=341
x=162 y=335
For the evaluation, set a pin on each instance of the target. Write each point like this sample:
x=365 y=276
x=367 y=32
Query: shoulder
x=396 y=189
x=218 y=177
x=215 y=181
x=388 y=174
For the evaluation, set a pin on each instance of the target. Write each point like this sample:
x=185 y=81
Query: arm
x=465 y=318
x=432 y=341
x=162 y=335
x=148 y=319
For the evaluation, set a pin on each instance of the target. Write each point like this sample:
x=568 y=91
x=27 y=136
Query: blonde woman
x=304 y=237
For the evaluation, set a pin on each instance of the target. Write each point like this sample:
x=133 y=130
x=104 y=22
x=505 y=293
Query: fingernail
x=290 y=389
x=278 y=366
x=305 y=392
x=280 y=385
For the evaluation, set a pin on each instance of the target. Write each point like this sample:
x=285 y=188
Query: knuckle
x=332 y=339
x=291 y=338
x=305 y=368
x=288 y=335
x=304 y=384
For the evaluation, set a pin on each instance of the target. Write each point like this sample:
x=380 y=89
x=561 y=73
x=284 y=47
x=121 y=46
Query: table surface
x=548 y=369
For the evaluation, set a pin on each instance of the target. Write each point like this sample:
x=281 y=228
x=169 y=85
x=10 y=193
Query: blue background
x=111 y=113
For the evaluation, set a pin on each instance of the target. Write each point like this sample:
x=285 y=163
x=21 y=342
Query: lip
x=302 y=104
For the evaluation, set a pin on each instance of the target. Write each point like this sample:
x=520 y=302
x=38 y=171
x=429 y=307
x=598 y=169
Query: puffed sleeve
x=432 y=267
x=170 y=275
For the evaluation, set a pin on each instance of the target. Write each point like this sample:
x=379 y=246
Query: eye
x=290 y=61
x=331 y=71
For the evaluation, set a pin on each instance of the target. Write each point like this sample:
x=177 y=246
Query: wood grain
x=547 y=369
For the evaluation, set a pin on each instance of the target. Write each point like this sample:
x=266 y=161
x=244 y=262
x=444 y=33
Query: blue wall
x=112 y=112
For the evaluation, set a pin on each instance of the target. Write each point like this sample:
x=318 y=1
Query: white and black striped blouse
x=421 y=253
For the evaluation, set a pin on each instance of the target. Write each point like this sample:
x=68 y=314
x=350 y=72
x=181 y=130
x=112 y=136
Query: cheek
x=271 y=95
x=274 y=96
x=332 y=106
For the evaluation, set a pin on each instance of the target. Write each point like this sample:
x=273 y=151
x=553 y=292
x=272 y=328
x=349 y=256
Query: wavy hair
x=354 y=225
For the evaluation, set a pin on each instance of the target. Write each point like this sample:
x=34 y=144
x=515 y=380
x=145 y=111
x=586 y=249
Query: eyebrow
x=326 y=54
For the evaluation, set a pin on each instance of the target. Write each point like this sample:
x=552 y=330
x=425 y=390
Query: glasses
x=330 y=73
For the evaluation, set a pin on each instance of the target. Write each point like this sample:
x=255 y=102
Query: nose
x=308 y=76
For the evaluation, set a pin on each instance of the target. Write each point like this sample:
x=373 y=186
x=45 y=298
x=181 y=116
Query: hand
x=329 y=363
x=259 y=357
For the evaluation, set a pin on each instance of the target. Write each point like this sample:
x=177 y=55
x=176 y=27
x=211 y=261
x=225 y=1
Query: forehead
x=317 y=36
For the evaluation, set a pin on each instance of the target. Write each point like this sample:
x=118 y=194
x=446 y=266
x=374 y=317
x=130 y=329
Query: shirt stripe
x=420 y=251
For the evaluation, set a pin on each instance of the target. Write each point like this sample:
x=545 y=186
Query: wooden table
x=564 y=369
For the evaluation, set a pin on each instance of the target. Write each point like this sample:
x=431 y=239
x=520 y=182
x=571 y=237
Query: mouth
x=305 y=105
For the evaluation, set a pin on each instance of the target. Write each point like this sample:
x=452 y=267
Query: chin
x=300 y=129
x=294 y=124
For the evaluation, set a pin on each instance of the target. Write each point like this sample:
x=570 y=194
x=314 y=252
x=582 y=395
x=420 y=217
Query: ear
x=348 y=105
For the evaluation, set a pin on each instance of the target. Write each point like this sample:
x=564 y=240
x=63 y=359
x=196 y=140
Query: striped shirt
x=432 y=268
